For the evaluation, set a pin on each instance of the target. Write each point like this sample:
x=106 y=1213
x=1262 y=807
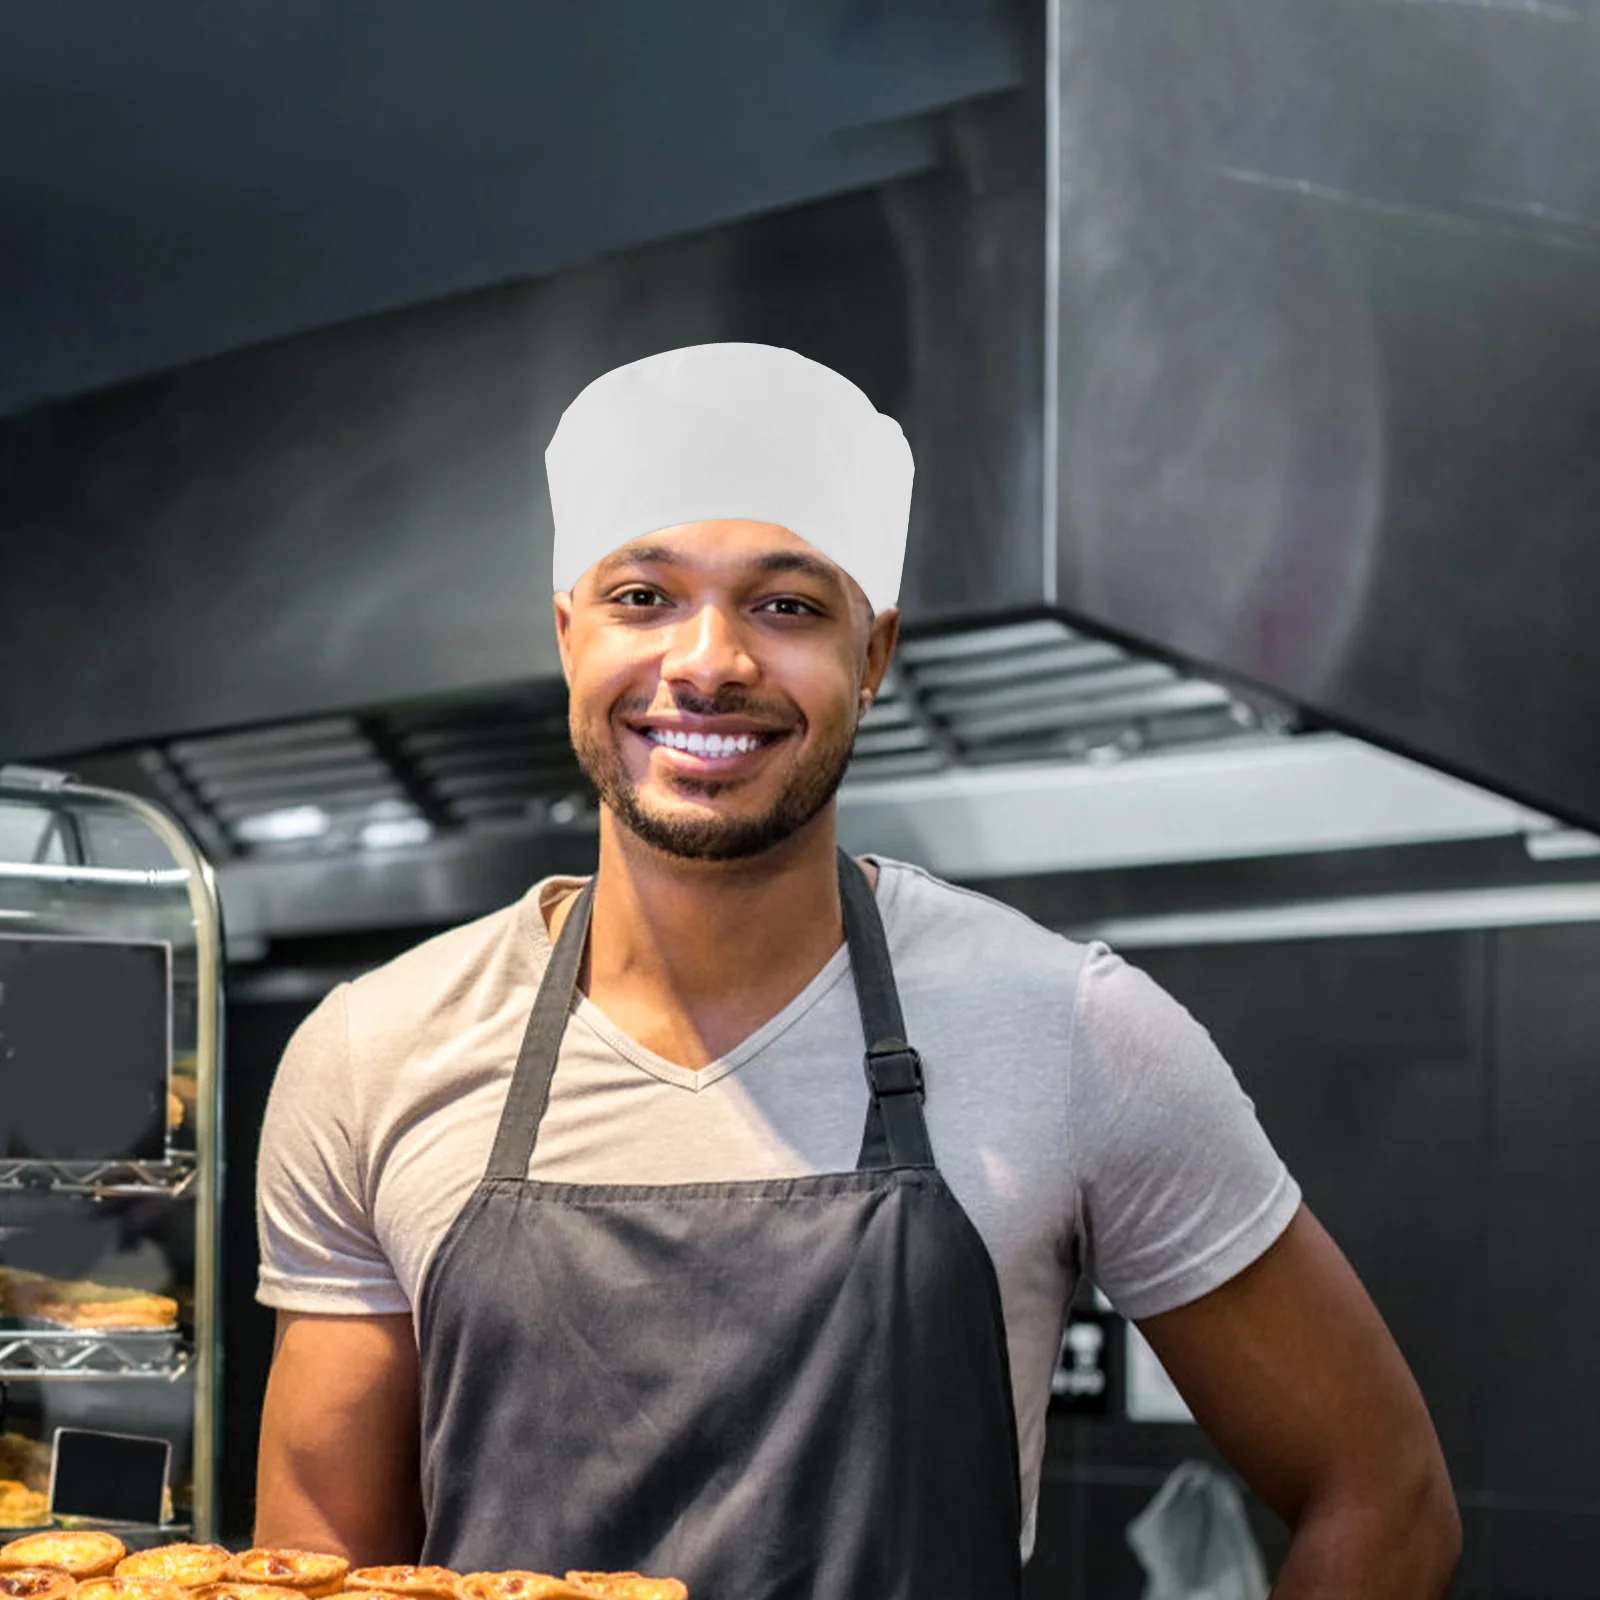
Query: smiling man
x=716 y=1215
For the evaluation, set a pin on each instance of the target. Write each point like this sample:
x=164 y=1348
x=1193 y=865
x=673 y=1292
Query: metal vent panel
x=1018 y=693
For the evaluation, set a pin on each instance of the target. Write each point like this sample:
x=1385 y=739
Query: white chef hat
x=718 y=432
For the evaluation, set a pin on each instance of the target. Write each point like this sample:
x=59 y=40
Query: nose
x=706 y=651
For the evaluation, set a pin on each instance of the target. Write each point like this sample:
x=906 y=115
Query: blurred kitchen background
x=1250 y=354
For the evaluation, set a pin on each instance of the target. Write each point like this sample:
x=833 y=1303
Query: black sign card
x=85 y=1048
x=108 y=1477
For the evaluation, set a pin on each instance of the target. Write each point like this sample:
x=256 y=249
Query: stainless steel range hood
x=1168 y=534
x=1323 y=392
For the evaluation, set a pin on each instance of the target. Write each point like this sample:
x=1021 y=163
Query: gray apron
x=786 y=1389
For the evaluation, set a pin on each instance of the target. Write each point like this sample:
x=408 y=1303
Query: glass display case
x=110 y=1045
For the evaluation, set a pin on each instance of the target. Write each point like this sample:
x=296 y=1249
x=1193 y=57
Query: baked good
x=189 y=1566
x=519 y=1586
x=25 y=1460
x=129 y=1589
x=430 y=1583
x=230 y=1590
x=37 y=1583
x=307 y=1572
x=73 y=1304
x=20 y=1506
x=628 y=1586
x=85 y=1553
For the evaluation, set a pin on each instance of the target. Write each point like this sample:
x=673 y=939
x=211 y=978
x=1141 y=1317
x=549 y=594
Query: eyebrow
x=774 y=561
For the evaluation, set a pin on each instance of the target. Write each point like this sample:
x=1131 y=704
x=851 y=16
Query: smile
x=710 y=746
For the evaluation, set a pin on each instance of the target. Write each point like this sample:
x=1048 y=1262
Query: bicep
x=1291 y=1371
x=338 y=1462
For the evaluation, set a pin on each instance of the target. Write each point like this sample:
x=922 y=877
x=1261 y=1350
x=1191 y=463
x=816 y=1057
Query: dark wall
x=256 y=1037
x=1436 y=1095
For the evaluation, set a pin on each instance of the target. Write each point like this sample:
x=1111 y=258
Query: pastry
x=129 y=1589
x=84 y=1554
x=429 y=1583
x=229 y=1590
x=20 y=1506
x=37 y=1583
x=72 y=1304
x=189 y=1566
x=305 y=1571
x=628 y=1586
x=27 y=1460
x=519 y=1586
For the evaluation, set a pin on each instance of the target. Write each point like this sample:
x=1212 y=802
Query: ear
x=563 y=609
x=881 y=639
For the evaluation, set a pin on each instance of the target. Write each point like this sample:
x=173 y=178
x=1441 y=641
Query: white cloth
x=1076 y=1110
x=746 y=432
x=1194 y=1540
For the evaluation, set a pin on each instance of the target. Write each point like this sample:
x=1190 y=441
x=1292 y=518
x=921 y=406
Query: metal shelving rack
x=83 y=862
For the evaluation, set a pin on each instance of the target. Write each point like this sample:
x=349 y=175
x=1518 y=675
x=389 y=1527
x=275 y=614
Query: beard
x=806 y=790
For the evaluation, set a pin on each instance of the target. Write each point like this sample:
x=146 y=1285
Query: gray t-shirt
x=1081 y=1116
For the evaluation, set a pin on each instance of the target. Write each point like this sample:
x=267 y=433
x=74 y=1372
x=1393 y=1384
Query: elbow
x=1398 y=1539
x=1448 y=1531
x=1436 y=1519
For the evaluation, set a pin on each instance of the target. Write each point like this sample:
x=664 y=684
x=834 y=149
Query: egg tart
x=129 y=1589
x=189 y=1566
x=628 y=1586
x=427 y=1583
x=25 y=1461
x=37 y=1583
x=228 y=1589
x=307 y=1572
x=22 y=1507
x=85 y=1553
x=519 y=1586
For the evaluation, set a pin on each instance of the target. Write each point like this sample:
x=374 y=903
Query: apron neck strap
x=896 y=1131
x=541 y=1045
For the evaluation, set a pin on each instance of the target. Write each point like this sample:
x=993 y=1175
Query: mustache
x=722 y=706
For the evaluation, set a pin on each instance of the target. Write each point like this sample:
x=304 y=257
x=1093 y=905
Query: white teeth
x=702 y=744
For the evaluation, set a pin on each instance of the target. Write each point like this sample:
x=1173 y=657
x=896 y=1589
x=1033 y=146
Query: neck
x=696 y=933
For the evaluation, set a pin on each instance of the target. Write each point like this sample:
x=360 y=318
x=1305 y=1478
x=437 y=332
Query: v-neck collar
x=695 y=1080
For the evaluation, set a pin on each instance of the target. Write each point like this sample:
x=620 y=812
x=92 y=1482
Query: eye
x=622 y=596
x=806 y=608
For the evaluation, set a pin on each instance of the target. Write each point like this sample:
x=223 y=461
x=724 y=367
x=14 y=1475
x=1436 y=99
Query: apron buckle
x=893 y=1067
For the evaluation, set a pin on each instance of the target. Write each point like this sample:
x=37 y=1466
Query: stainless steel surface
x=1329 y=293
x=102 y=1179
x=1272 y=797
x=1268 y=798
x=359 y=517
x=177 y=902
x=39 y=1355
x=1019 y=692
x=176 y=190
x=1526 y=905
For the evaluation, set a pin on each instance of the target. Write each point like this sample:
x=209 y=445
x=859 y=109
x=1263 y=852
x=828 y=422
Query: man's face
x=715 y=672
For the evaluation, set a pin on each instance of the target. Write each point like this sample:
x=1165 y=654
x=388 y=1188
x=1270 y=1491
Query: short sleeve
x=1179 y=1186
x=318 y=1250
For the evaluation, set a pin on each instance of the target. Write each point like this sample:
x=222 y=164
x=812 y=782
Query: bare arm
x=338 y=1463
x=1290 y=1370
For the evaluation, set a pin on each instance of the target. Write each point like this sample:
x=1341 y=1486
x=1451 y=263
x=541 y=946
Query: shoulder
x=973 y=944
x=447 y=982
x=970 y=940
